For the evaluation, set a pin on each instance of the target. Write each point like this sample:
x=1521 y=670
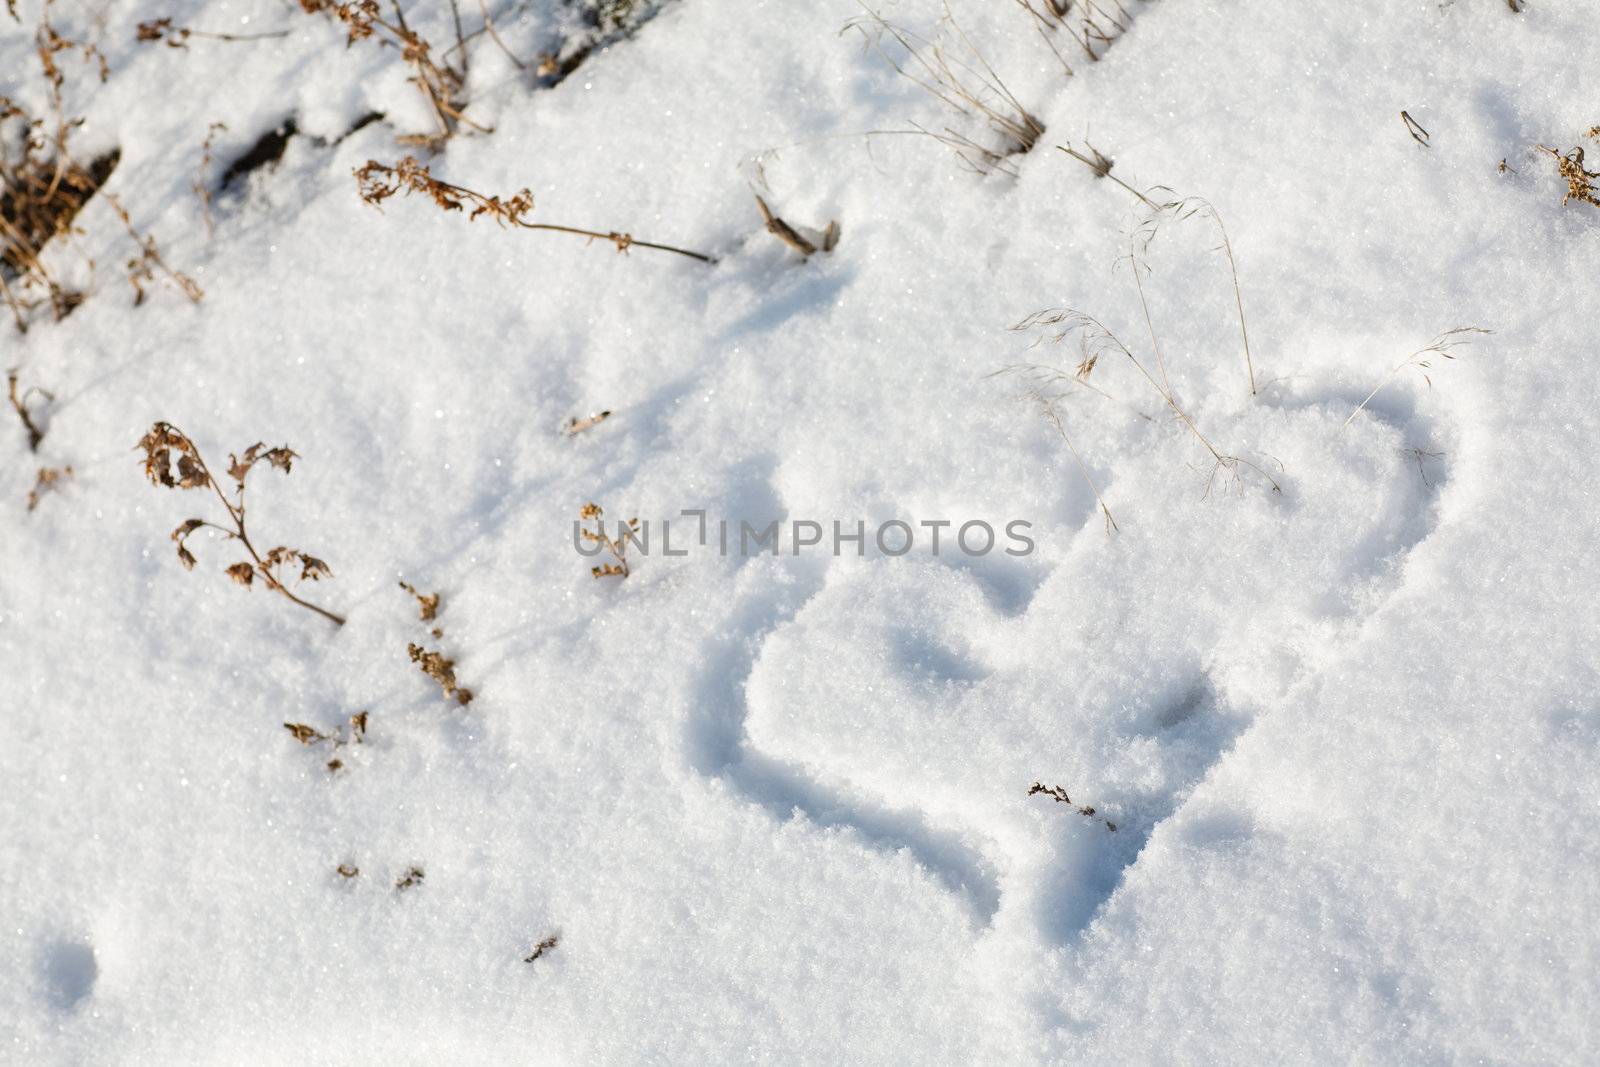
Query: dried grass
x=1422 y=360
x=953 y=71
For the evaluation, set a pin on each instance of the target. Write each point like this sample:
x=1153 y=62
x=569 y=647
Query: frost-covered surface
x=777 y=809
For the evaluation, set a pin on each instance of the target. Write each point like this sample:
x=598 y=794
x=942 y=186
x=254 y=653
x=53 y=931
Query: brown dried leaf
x=191 y=474
x=242 y=573
x=428 y=606
x=282 y=458
x=239 y=468
x=304 y=734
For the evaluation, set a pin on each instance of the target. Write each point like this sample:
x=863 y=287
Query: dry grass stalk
x=172 y=460
x=1421 y=361
x=142 y=268
x=19 y=404
x=494 y=35
x=440 y=84
x=1085 y=21
x=1580 y=181
x=598 y=536
x=202 y=179
x=48 y=478
x=1100 y=165
x=1420 y=456
x=412 y=877
x=441 y=670
x=378 y=182
x=1097 y=340
x=1059 y=795
x=1182 y=209
x=963 y=81
x=353 y=733
x=178 y=36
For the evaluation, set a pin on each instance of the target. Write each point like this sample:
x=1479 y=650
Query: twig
x=379 y=181
x=1414 y=128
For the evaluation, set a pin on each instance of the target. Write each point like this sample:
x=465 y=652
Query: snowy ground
x=777 y=809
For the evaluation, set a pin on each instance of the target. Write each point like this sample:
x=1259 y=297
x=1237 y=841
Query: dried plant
x=19 y=404
x=1085 y=21
x=1580 y=182
x=1182 y=209
x=347 y=870
x=547 y=945
x=954 y=72
x=1420 y=456
x=142 y=268
x=427 y=606
x=379 y=181
x=1096 y=340
x=202 y=179
x=576 y=425
x=49 y=478
x=353 y=733
x=178 y=36
x=441 y=670
x=172 y=460
x=1421 y=360
x=411 y=878
x=598 y=536
x=440 y=84
x=1100 y=165
x=1059 y=795
x=42 y=188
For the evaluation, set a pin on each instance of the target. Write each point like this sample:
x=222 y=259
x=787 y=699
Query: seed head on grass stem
x=171 y=460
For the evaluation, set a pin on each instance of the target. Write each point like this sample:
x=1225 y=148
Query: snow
x=776 y=809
